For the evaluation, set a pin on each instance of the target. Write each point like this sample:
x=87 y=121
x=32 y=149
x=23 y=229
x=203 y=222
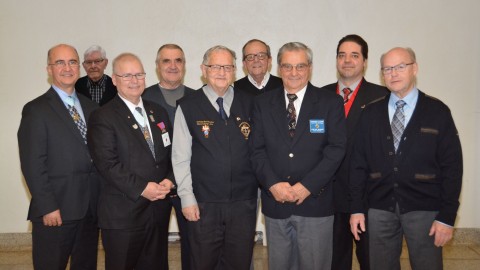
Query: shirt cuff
x=188 y=200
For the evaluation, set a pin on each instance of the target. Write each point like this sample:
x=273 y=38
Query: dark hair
x=357 y=39
x=252 y=41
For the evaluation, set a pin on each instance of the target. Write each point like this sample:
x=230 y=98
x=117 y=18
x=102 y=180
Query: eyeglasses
x=260 y=56
x=129 y=77
x=298 y=67
x=96 y=62
x=62 y=63
x=397 y=68
x=217 y=68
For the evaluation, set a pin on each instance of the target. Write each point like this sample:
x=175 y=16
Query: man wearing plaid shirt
x=96 y=85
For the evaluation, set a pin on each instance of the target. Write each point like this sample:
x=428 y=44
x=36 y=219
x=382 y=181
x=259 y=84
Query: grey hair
x=295 y=46
x=208 y=53
x=95 y=48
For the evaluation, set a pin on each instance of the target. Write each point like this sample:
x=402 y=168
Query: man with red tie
x=352 y=55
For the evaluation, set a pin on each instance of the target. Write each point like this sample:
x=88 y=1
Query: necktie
x=221 y=110
x=398 y=123
x=146 y=133
x=291 y=115
x=77 y=118
x=346 y=93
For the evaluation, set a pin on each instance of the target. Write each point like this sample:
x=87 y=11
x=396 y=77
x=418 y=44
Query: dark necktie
x=77 y=119
x=146 y=133
x=291 y=115
x=346 y=93
x=398 y=123
x=221 y=110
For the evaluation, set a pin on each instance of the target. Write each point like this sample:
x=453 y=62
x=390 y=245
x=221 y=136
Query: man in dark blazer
x=352 y=55
x=297 y=149
x=406 y=171
x=257 y=61
x=129 y=140
x=171 y=70
x=97 y=85
x=57 y=167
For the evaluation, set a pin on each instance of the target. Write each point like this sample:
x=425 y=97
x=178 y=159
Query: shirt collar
x=263 y=83
x=352 y=87
x=63 y=95
x=410 y=99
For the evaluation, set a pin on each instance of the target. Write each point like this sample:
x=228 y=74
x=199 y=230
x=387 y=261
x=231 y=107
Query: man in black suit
x=171 y=70
x=216 y=182
x=352 y=55
x=257 y=61
x=129 y=139
x=298 y=143
x=406 y=171
x=97 y=85
x=57 y=167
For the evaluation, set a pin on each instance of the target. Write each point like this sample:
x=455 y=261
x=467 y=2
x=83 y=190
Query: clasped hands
x=284 y=192
x=155 y=191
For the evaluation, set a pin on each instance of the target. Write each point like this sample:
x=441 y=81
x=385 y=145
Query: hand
x=53 y=219
x=282 y=192
x=191 y=213
x=301 y=192
x=166 y=185
x=442 y=232
x=357 y=225
x=154 y=191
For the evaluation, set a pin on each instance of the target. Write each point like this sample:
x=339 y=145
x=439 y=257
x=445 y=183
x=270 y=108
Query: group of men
x=349 y=162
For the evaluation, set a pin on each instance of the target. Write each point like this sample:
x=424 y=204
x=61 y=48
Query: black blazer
x=245 y=85
x=55 y=161
x=367 y=93
x=311 y=157
x=110 y=89
x=123 y=157
x=426 y=172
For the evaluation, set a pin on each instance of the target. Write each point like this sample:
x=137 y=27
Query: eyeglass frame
x=128 y=77
x=63 y=64
x=298 y=67
x=217 y=68
x=260 y=56
x=398 y=68
x=96 y=62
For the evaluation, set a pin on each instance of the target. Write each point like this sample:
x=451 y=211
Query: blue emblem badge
x=317 y=126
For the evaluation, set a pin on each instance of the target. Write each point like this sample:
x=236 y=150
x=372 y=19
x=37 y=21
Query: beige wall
x=444 y=34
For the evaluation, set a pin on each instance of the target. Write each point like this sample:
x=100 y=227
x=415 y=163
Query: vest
x=220 y=163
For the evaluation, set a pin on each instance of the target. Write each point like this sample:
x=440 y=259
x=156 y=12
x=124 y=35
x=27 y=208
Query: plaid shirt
x=97 y=88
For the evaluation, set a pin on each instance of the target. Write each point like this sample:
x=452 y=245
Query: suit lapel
x=154 y=120
x=307 y=111
x=58 y=106
x=279 y=115
x=127 y=117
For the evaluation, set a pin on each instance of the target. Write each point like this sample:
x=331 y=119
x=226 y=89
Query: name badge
x=166 y=139
x=317 y=126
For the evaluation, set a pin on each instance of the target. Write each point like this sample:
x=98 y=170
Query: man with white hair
x=96 y=85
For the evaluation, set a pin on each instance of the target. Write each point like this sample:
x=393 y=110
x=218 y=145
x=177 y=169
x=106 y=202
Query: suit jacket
x=110 y=89
x=124 y=159
x=311 y=157
x=55 y=161
x=245 y=85
x=154 y=94
x=426 y=172
x=367 y=92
